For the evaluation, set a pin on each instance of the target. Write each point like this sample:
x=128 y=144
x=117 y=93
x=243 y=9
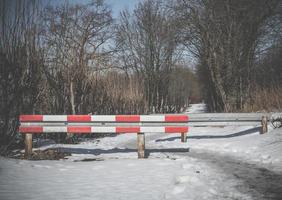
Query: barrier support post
x=141 y=145
x=28 y=145
x=183 y=137
x=263 y=125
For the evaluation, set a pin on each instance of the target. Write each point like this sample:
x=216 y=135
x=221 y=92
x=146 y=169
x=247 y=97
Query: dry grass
x=268 y=100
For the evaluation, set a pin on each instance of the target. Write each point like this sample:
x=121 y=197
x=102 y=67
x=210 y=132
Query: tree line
x=75 y=58
x=70 y=58
x=238 y=46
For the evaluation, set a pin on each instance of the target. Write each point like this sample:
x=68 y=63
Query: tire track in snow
x=259 y=182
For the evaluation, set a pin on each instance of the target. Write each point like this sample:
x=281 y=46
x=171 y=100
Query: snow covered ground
x=215 y=163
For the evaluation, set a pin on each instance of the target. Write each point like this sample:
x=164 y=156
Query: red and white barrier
x=27 y=121
x=81 y=124
x=106 y=129
x=104 y=118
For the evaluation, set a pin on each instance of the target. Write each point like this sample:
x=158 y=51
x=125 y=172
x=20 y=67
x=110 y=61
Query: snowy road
x=259 y=182
x=215 y=163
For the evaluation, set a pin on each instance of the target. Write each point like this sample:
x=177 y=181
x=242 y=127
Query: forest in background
x=68 y=58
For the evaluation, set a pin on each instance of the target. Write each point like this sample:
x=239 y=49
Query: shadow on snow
x=241 y=133
x=120 y=150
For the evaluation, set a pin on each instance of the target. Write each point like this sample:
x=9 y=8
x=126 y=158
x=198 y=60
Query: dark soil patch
x=49 y=154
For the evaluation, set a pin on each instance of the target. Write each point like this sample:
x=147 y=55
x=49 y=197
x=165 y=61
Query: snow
x=197 y=108
x=114 y=179
x=215 y=163
x=242 y=142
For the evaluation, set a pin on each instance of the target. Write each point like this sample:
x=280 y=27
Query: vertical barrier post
x=141 y=145
x=28 y=145
x=183 y=137
x=263 y=125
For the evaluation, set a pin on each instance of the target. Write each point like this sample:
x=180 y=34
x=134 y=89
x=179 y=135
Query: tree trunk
x=72 y=98
x=69 y=135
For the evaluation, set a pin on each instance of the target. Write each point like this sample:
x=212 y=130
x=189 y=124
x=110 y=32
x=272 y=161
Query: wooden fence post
x=263 y=125
x=141 y=145
x=28 y=145
x=183 y=137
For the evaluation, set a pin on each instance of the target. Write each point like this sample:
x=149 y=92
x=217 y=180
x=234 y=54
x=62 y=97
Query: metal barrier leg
x=28 y=145
x=183 y=137
x=141 y=145
x=263 y=125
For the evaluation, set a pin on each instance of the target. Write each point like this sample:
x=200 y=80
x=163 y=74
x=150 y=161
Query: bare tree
x=147 y=42
x=20 y=61
x=225 y=35
x=74 y=39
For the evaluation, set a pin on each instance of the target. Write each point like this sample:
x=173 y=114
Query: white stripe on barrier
x=103 y=118
x=107 y=129
x=56 y=129
x=54 y=118
x=152 y=129
x=103 y=129
x=152 y=118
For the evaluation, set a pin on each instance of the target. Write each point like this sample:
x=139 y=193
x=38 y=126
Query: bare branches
x=225 y=35
x=147 y=42
x=75 y=36
x=20 y=60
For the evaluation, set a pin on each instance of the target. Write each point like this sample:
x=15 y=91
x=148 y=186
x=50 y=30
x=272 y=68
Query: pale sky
x=119 y=5
x=116 y=5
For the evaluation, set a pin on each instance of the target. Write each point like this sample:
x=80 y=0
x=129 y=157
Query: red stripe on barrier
x=31 y=129
x=128 y=118
x=175 y=129
x=176 y=118
x=127 y=129
x=79 y=118
x=79 y=129
x=31 y=118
